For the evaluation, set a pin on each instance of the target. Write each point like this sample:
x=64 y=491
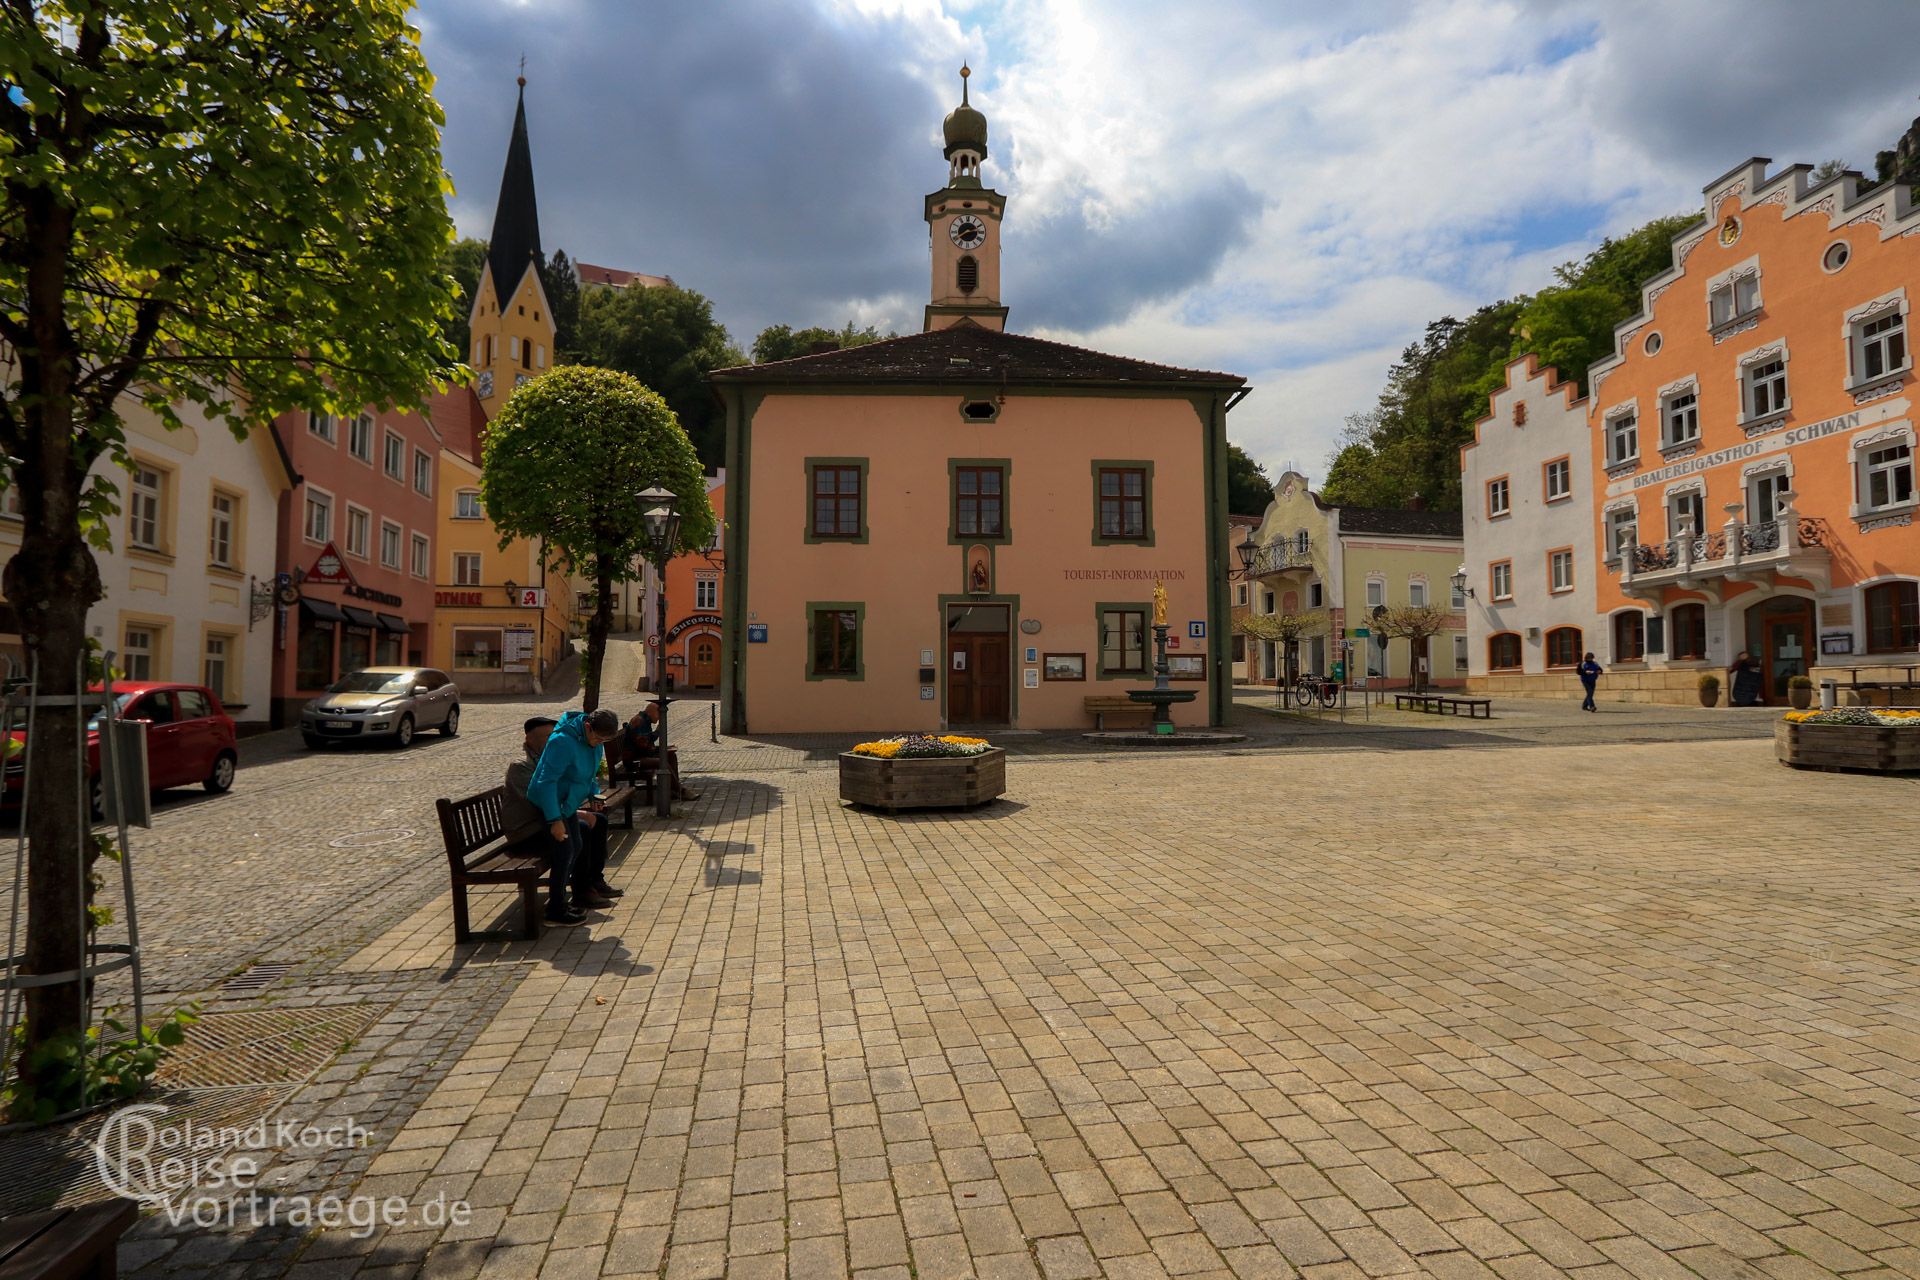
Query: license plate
x=339 y=724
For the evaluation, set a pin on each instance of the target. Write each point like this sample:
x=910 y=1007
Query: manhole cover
x=368 y=839
x=255 y=977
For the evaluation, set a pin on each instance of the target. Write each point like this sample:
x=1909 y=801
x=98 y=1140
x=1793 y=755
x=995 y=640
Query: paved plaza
x=1558 y=1001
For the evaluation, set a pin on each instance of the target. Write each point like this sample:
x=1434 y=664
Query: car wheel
x=403 y=732
x=97 y=798
x=313 y=740
x=452 y=726
x=222 y=776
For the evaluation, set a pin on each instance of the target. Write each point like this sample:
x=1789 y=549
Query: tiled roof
x=970 y=354
x=461 y=420
x=590 y=274
x=1400 y=522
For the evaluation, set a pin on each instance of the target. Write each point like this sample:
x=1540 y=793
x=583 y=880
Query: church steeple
x=963 y=220
x=516 y=218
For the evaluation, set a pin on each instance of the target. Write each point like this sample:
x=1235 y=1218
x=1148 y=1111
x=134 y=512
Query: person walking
x=1743 y=681
x=563 y=784
x=1589 y=680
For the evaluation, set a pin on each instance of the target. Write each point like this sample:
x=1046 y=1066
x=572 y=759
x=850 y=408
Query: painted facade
x=1752 y=440
x=1527 y=481
x=691 y=646
x=192 y=545
x=1296 y=571
x=365 y=503
x=1239 y=592
x=964 y=526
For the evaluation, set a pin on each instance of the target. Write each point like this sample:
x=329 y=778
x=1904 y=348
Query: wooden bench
x=1102 y=705
x=65 y=1244
x=631 y=772
x=1444 y=704
x=477 y=854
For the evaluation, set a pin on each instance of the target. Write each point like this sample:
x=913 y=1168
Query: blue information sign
x=1197 y=630
x=756 y=633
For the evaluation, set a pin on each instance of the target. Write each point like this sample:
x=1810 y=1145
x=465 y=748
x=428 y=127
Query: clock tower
x=963 y=221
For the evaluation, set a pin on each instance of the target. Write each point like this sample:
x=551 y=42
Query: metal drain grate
x=267 y=1046
x=254 y=977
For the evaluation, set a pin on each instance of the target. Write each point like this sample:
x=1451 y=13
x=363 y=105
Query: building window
x=1680 y=418
x=1519 y=413
x=706 y=593
x=1123 y=640
x=396 y=457
x=319 y=525
x=1376 y=593
x=1316 y=595
x=1499 y=497
x=466 y=505
x=1560 y=571
x=1559 y=475
x=1302 y=542
x=359 y=530
x=1766 y=491
x=423 y=472
x=1457 y=596
x=1887 y=476
x=476 y=648
x=1266 y=602
x=1893 y=617
x=422 y=556
x=213 y=665
x=220 y=529
x=143 y=508
x=390 y=534
x=1623 y=439
x=1123 y=504
x=1883 y=345
x=1686 y=514
x=360 y=437
x=1735 y=300
x=1689 y=632
x=1563 y=647
x=967 y=274
x=136 y=653
x=838 y=501
x=978 y=502
x=466 y=568
x=1629 y=636
x=1623 y=530
x=1459 y=653
x=835 y=641
x=321 y=426
x=1417 y=593
x=1767 y=388
x=1240 y=593
x=1503 y=651
x=1501 y=576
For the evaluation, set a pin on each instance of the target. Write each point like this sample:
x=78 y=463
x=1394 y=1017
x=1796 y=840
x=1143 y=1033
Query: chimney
x=1416 y=503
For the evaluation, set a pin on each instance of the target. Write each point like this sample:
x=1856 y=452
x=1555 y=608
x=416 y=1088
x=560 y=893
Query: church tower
x=963 y=221
x=511 y=322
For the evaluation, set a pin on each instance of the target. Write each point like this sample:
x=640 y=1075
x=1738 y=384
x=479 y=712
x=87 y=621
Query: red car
x=190 y=737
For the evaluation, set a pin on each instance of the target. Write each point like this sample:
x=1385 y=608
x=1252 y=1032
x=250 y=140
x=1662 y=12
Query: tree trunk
x=597 y=630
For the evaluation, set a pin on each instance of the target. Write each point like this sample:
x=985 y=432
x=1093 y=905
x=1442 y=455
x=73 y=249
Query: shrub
x=1709 y=682
x=1800 y=682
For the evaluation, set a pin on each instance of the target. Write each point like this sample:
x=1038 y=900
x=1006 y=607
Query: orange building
x=1753 y=442
x=692 y=642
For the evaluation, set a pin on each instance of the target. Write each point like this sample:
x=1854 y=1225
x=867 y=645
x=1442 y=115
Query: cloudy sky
x=1286 y=190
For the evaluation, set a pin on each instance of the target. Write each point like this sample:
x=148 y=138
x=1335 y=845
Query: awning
x=398 y=626
x=358 y=617
x=322 y=610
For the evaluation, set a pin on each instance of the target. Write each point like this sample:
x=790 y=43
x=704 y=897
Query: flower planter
x=1799 y=697
x=958 y=782
x=1876 y=749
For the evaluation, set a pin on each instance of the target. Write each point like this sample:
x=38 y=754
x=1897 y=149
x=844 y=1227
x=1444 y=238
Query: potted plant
x=1870 y=739
x=923 y=771
x=1709 y=689
x=1800 y=692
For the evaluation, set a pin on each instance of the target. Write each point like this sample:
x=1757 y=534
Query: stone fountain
x=1162 y=696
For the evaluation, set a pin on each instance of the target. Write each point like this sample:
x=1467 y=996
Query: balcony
x=1793 y=546
x=1292 y=556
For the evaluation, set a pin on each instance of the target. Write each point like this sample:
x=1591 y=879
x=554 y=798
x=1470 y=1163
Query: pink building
x=355 y=549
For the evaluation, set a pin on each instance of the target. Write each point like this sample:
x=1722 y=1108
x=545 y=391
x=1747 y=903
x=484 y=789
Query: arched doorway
x=703 y=661
x=1780 y=638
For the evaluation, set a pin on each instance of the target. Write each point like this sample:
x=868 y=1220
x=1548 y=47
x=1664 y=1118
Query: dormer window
x=968 y=274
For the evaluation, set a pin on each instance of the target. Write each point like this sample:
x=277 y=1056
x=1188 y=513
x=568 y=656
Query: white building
x=193 y=540
x=1526 y=489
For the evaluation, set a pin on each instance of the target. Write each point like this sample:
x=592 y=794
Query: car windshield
x=373 y=682
x=120 y=701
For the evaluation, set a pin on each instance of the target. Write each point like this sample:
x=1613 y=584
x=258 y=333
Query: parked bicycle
x=1309 y=688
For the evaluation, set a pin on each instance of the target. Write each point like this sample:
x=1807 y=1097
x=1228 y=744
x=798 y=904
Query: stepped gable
x=970 y=354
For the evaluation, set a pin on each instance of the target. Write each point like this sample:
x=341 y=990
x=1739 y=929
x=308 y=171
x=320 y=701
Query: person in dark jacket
x=642 y=738
x=1590 y=673
x=1743 y=681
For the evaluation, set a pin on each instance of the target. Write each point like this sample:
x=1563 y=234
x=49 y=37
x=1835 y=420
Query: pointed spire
x=516 y=217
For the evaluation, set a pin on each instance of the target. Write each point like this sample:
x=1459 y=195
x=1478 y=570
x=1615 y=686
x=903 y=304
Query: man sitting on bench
x=642 y=734
x=579 y=857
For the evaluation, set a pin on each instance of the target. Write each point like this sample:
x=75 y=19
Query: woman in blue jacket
x=567 y=776
x=1589 y=679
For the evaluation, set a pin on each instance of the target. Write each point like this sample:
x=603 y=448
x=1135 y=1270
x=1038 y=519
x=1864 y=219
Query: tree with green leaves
x=562 y=285
x=462 y=263
x=1249 y=491
x=565 y=463
x=1284 y=629
x=161 y=242
x=782 y=342
x=668 y=339
x=1417 y=624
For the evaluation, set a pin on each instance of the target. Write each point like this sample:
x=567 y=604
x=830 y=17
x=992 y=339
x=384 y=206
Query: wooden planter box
x=956 y=783
x=1847 y=746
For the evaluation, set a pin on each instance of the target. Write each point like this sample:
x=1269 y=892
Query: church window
x=969 y=274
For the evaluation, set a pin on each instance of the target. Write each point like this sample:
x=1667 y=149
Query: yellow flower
x=884 y=750
x=959 y=741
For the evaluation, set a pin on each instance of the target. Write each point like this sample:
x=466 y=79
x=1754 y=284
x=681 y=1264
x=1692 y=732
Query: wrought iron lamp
x=1247 y=549
x=663 y=532
x=1460 y=587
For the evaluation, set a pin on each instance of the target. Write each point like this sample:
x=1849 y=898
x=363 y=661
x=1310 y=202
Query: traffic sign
x=653 y=642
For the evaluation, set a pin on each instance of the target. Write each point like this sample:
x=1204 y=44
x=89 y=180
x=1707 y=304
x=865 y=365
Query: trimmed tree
x=1285 y=629
x=238 y=209
x=1416 y=624
x=565 y=463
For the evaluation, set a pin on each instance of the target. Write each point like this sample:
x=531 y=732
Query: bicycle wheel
x=1302 y=694
x=1329 y=694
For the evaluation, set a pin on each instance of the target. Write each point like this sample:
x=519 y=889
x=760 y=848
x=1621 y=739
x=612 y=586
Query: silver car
x=391 y=703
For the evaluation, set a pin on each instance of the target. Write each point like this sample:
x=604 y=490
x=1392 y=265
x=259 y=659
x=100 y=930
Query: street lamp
x=1247 y=549
x=663 y=531
x=1459 y=580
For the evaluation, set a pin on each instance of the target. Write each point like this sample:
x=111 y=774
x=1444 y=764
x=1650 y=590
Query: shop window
x=834 y=641
x=1123 y=640
x=1629 y=636
x=313 y=661
x=1689 y=632
x=356 y=649
x=1503 y=651
x=1893 y=617
x=1563 y=647
x=1122 y=494
x=476 y=648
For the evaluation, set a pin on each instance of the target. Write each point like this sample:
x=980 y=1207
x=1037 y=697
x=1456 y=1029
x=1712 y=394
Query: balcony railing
x=1281 y=557
x=1794 y=545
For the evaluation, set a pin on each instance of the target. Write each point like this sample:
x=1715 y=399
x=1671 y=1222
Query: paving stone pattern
x=1596 y=1009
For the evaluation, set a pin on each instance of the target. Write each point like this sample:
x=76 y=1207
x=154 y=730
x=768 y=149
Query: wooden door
x=706 y=662
x=1787 y=639
x=978 y=670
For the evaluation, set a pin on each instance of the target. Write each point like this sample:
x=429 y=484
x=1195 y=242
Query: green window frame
x=1122 y=502
x=967 y=479
x=836 y=490
x=836 y=631
x=1120 y=630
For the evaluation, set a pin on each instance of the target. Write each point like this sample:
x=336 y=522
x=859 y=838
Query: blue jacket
x=567 y=775
x=1590 y=672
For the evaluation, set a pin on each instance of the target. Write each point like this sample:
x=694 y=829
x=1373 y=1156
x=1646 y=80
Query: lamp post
x=663 y=531
x=1247 y=549
x=1459 y=581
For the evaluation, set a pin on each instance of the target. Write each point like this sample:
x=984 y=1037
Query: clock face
x=967 y=231
x=483 y=384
